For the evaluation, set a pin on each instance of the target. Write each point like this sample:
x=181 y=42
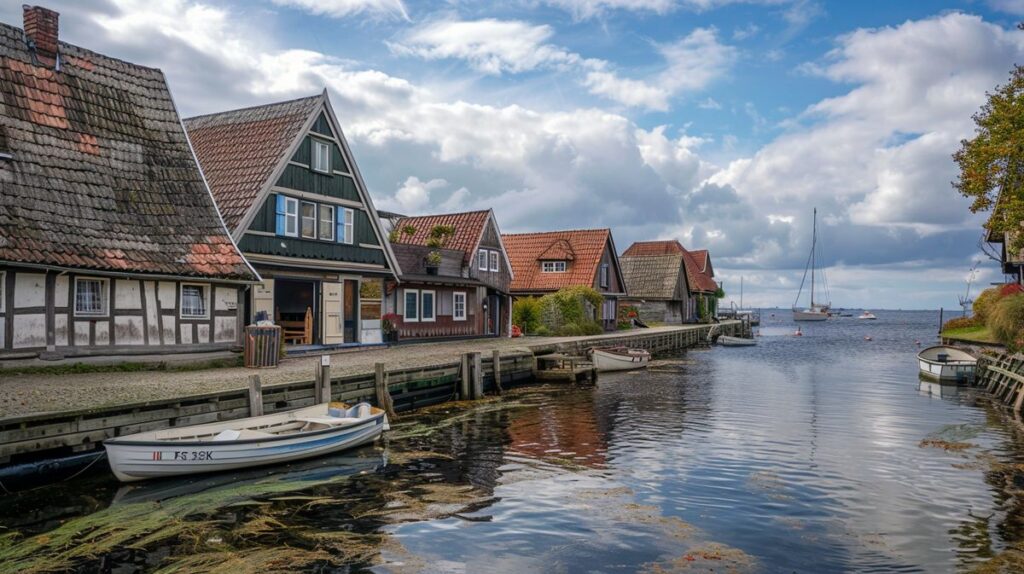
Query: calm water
x=802 y=454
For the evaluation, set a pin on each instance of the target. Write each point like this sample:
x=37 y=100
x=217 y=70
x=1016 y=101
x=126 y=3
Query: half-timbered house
x=292 y=196
x=110 y=243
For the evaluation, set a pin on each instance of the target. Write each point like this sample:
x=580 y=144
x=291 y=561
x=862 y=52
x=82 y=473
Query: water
x=801 y=454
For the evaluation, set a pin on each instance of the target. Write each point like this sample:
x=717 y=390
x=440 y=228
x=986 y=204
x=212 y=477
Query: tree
x=992 y=163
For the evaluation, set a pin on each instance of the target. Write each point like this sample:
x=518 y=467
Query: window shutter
x=280 y=224
x=339 y=225
x=350 y=224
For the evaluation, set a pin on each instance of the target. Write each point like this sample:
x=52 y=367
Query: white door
x=332 y=319
x=263 y=299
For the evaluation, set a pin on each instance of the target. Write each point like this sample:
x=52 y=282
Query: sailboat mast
x=814 y=244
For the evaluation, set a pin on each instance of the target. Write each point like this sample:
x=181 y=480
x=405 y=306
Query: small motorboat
x=867 y=315
x=728 y=341
x=947 y=364
x=619 y=358
x=243 y=443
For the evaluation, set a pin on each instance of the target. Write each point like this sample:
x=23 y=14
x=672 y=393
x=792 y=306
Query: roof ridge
x=250 y=108
x=605 y=229
x=88 y=51
x=445 y=214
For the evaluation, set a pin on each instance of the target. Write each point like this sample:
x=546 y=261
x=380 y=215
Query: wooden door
x=351 y=305
x=331 y=310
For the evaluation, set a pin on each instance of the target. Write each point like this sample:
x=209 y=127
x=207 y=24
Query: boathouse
x=455 y=277
x=546 y=262
x=110 y=242
x=291 y=194
x=668 y=283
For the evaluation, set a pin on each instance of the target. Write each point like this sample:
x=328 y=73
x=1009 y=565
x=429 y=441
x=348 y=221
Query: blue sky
x=720 y=123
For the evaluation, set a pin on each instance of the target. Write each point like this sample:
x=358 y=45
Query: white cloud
x=709 y=104
x=1015 y=7
x=695 y=61
x=629 y=92
x=583 y=9
x=345 y=8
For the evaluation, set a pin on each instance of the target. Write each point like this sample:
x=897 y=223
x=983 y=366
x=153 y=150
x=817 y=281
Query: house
x=462 y=293
x=668 y=283
x=548 y=261
x=110 y=242
x=292 y=196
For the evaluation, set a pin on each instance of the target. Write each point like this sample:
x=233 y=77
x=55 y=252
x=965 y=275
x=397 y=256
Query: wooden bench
x=299 y=332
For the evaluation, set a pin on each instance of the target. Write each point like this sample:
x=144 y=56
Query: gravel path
x=33 y=394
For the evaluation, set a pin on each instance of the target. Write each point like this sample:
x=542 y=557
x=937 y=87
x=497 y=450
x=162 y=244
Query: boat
x=816 y=311
x=728 y=341
x=868 y=315
x=619 y=358
x=947 y=364
x=244 y=443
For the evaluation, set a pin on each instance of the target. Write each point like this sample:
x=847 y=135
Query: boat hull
x=807 y=315
x=139 y=460
x=946 y=364
x=605 y=361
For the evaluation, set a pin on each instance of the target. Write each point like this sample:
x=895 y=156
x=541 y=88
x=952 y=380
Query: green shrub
x=542 y=331
x=526 y=314
x=567 y=312
x=984 y=303
x=1006 y=321
x=961 y=323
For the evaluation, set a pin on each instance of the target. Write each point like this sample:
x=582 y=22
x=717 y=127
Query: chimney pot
x=41 y=29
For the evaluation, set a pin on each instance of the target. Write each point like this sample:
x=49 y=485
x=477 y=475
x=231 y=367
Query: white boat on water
x=816 y=311
x=619 y=358
x=728 y=341
x=243 y=443
x=867 y=315
x=947 y=364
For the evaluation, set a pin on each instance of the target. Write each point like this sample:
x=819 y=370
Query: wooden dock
x=1002 y=376
x=562 y=367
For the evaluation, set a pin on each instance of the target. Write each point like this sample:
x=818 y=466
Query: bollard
x=496 y=360
x=325 y=380
x=383 y=395
x=255 y=396
x=464 y=383
x=478 y=376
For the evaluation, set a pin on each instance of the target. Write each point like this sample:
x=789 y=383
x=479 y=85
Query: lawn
x=979 y=333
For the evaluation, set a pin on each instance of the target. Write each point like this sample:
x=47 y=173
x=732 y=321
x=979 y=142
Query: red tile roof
x=100 y=174
x=527 y=250
x=699 y=273
x=469 y=226
x=239 y=149
x=668 y=247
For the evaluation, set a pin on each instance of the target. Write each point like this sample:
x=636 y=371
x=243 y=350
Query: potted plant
x=438 y=239
x=433 y=262
x=389 y=326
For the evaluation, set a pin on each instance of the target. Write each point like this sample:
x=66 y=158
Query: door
x=492 y=315
x=351 y=305
x=331 y=305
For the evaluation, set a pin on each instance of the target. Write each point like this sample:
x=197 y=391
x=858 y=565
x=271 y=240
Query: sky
x=720 y=123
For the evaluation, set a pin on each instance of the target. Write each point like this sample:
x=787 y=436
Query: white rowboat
x=243 y=443
x=947 y=364
x=619 y=359
x=727 y=341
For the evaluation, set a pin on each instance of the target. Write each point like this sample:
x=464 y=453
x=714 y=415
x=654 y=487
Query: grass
x=979 y=333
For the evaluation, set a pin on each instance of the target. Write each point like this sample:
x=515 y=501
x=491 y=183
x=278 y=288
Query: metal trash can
x=262 y=345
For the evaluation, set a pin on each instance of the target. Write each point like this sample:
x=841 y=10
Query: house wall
x=38 y=313
x=501 y=279
x=444 y=325
x=671 y=312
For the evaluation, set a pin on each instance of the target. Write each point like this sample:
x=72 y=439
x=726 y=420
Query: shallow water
x=801 y=454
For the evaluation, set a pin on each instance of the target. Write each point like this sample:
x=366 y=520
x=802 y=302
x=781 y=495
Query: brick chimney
x=41 y=32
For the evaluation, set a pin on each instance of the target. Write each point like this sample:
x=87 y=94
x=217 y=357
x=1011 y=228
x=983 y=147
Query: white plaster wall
x=168 y=297
x=186 y=333
x=29 y=291
x=170 y=324
x=127 y=294
x=128 y=331
x=225 y=328
x=29 y=330
x=60 y=293
x=152 y=325
x=225 y=298
x=102 y=333
x=81 y=333
x=60 y=330
x=204 y=333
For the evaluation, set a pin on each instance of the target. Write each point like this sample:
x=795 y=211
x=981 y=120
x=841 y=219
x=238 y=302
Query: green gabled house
x=290 y=193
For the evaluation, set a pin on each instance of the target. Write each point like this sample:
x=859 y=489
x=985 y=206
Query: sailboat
x=815 y=311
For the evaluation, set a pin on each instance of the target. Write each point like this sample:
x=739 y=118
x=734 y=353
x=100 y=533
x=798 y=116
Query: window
x=553 y=267
x=481 y=260
x=459 y=306
x=494 y=260
x=291 y=217
x=92 y=297
x=327 y=222
x=346 y=225
x=308 y=220
x=321 y=156
x=194 y=301
x=604 y=275
x=412 y=305
x=426 y=306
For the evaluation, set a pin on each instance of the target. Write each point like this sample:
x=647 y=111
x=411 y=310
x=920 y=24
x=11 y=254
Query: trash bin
x=262 y=345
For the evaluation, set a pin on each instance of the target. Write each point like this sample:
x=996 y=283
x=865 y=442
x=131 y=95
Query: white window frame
x=493 y=258
x=553 y=266
x=302 y=220
x=105 y=299
x=320 y=222
x=349 y=225
x=405 y=305
x=206 y=288
x=292 y=216
x=3 y=290
x=433 y=306
x=314 y=159
x=481 y=265
x=603 y=280
x=456 y=295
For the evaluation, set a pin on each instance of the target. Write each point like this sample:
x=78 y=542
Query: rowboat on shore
x=619 y=358
x=728 y=341
x=243 y=443
x=946 y=364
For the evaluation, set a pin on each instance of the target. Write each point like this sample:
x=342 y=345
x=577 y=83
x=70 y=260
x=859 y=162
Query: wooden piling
x=325 y=383
x=465 y=378
x=383 y=394
x=496 y=362
x=255 y=396
x=478 y=375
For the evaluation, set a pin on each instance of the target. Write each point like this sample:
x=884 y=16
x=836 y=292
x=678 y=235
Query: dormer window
x=553 y=266
x=321 y=156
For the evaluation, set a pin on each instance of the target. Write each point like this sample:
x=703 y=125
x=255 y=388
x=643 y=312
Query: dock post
x=255 y=396
x=478 y=376
x=496 y=363
x=464 y=383
x=325 y=380
x=383 y=395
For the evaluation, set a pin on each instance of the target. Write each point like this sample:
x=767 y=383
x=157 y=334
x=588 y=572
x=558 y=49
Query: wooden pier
x=1002 y=376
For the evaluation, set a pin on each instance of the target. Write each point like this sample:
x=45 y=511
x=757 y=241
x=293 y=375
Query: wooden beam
x=255 y=396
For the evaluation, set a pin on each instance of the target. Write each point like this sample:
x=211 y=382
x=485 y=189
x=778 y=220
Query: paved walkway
x=34 y=394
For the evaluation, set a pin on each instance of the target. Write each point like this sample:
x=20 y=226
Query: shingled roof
x=527 y=250
x=699 y=273
x=100 y=174
x=654 y=276
x=239 y=149
x=469 y=227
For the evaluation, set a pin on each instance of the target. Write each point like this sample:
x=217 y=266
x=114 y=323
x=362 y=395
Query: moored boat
x=811 y=314
x=947 y=364
x=619 y=358
x=728 y=341
x=243 y=443
x=868 y=315
x=815 y=311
